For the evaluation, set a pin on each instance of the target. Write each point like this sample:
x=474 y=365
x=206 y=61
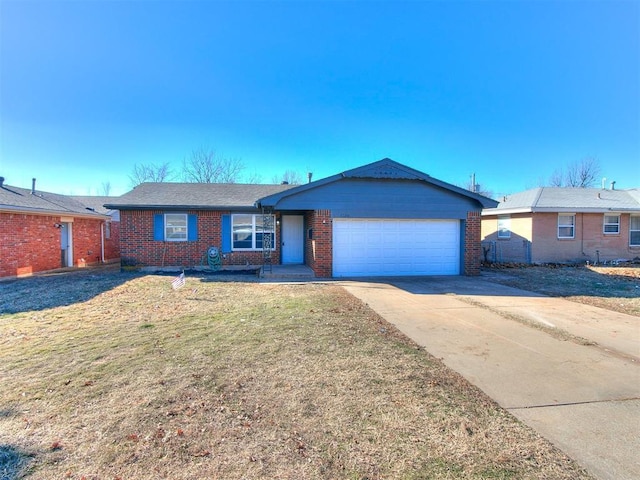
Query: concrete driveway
x=569 y=371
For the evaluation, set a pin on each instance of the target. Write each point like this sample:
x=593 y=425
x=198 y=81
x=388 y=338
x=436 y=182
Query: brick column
x=472 y=247
x=319 y=248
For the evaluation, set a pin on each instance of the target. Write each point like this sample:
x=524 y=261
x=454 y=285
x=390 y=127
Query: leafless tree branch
x=205 y=166
x=149 y=173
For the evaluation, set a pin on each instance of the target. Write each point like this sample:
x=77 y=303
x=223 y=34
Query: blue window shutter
x=158 y=227
x=226 y=233
x=192 y=227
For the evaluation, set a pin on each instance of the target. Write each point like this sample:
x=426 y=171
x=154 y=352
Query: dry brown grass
x=613 y=288
x=236 y=380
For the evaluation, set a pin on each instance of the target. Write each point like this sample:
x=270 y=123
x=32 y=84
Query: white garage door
x=363 y=247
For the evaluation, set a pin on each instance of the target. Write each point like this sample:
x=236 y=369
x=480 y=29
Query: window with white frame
x=107 y=230
x=611 y=224
x=504 y=226
x=248 y=231
x=566 y=225
x=175 y=227
x=634 y=231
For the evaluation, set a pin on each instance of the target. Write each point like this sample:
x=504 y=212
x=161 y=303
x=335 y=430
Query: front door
x=292 y=239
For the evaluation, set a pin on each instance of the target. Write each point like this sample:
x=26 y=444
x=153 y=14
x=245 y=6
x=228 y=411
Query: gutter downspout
x=102 y=242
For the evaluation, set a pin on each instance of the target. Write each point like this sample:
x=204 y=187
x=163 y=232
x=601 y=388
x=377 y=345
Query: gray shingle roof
x=557 y=199
x=15 y=199
x=194 y=195
x=97 y=203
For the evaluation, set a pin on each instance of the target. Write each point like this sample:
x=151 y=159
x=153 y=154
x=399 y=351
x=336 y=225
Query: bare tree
x=253 y=178
x=289 y=176
x=205 y=166
x=582 y=174
x=105 y=188
x=557 y=178
x=149 y=173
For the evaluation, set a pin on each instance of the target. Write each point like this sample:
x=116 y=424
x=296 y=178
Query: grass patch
x=243 y=380
x=612 y=288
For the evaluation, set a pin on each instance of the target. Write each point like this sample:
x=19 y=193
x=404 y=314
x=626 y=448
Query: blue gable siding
x=382 y=198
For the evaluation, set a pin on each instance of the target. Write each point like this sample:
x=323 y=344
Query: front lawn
x=229 y=380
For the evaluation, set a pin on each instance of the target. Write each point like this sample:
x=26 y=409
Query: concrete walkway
x=575 y=380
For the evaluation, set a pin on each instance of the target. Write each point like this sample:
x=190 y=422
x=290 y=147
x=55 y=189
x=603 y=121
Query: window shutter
x=226 y=233
x=158 y=227
x=192 y=227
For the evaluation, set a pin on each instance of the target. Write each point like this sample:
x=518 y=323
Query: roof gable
x=385 y=169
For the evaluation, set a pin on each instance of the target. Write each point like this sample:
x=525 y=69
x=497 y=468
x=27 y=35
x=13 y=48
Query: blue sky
x=508 y=90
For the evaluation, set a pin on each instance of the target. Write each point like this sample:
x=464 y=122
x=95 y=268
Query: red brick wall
x=86 y=241
x=319 y=248
x=31 y=243
x=112 y=244
x=472 y=247
x=138 y=248
x=588 y=239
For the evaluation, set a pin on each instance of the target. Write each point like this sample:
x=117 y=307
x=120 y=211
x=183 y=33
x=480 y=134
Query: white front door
x=292 y=239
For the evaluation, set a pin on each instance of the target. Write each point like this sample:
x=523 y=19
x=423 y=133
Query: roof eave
x=181 y=207
x=62 y=213
x=505 y=211
x=516 y=210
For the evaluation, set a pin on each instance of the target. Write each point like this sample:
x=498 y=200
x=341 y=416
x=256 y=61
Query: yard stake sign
x=178 y=282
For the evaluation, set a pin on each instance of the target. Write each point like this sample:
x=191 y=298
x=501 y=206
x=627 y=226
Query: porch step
x=299 y=272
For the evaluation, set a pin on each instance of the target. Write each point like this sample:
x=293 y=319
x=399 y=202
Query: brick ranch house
x=563 y=225
x=379 y=219
x=41 y=231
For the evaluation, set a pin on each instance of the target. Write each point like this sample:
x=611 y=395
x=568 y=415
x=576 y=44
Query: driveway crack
x=569 y=404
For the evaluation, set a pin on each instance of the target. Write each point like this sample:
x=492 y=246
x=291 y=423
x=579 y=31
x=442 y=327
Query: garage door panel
x=395 y=247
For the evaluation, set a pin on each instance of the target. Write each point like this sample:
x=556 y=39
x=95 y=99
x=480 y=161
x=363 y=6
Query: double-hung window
x=634 y=231
x=249 y=231
x=611 y=224
x=566 y=225
x=504 y=226
x=175 y=227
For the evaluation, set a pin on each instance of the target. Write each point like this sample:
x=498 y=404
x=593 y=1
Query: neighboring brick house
x=379 y=219
x=41 y=231
x=563 y=225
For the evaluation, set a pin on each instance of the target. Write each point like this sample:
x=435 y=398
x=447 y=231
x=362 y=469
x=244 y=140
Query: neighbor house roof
x=194 y=196
x=97 y=204
x=382 y=169
x=23 y=200
x=568 y=199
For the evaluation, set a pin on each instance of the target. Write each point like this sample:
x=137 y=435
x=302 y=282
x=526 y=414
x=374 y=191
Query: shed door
x=392 y=247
